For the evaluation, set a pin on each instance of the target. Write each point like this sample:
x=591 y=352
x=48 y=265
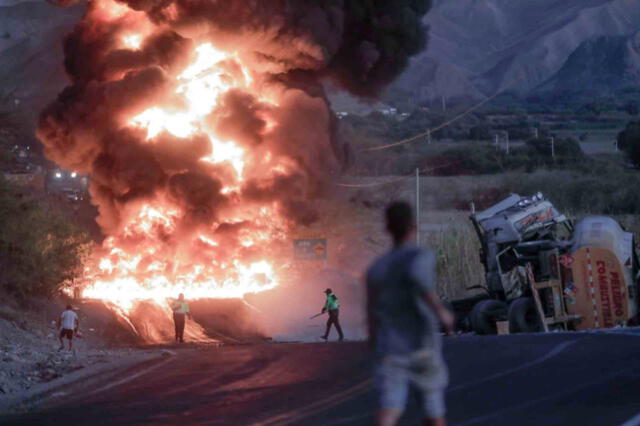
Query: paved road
x=556 y=379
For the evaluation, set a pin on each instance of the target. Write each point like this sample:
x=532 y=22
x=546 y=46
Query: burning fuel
x=205 y=129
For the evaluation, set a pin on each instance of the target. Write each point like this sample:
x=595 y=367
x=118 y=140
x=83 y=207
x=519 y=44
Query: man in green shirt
x=180 y=310
x=333 y=307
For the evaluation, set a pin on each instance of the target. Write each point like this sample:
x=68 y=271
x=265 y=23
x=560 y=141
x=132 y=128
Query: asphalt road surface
x=554 y=379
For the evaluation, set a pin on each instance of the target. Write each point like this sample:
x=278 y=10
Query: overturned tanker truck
x=543 y=273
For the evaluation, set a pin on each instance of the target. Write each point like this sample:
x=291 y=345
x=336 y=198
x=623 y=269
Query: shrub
x=40 y=249
x=457 y=248
x=486 y=159
x=629 y=141
x=567 y=151
x=612 y=192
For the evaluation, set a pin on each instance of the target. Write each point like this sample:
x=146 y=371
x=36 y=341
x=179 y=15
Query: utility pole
x=553 y=148
x=417 y=206
x=536 y=135
x=497 y=141
x=429 y=137
x=507 y=136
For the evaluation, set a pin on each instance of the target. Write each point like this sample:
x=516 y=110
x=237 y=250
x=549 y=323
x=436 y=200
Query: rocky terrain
x=599 y=65
x=480 y=47
x=29 y=354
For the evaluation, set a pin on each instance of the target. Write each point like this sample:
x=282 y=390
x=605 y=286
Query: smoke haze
x=205 y=128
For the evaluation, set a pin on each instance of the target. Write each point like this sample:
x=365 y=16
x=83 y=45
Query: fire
x=200 y=85
x=132 y=41
x=127 y=289
x=158 y=252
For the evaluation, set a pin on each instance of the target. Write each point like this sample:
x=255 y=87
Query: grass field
x=445 y=208
x=598 y=141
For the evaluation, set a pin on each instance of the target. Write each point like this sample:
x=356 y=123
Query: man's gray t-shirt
x=396 y=283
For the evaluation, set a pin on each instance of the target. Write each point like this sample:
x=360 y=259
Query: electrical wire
x=421 y=135
x=396 y=179
x=435 y=129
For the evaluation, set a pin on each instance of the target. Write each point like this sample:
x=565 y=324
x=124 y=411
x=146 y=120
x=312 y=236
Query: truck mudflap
x=598 y=292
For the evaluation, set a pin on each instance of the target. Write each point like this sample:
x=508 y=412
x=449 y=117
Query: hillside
x=599 y=65
x=476 y=48
x=480 y=47
x=31 y=60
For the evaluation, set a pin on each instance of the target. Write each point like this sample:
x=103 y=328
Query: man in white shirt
x=68 y=323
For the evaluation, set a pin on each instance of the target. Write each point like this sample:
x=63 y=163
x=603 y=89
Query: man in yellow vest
x=180 y=310
x=333 y=307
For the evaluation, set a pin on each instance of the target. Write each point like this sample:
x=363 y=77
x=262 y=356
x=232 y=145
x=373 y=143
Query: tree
x=632 y=108
x=480 y=132
x=40 y=248
x=566 y=150
x=629 y=141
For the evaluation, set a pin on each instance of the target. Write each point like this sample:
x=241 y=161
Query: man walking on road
x=180 y=310
x=333 y=306
x=403 y=312
x=68 y=323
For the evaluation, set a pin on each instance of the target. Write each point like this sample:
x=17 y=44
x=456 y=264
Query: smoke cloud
x=171 y=187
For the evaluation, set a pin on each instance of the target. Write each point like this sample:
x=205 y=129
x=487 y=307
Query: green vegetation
x=470 y=158
x=461 y=164
x=591 y=127
x=41 y=251
x=629 y=141
x=486 y=159
x=459 y=267
x=606 y=189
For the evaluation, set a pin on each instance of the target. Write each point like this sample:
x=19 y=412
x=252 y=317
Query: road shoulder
x=89 y=379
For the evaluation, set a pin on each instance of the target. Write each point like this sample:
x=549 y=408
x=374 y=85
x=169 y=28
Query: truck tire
x=523 y=317
x=484 y=315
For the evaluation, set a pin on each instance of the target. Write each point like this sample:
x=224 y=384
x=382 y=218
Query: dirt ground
x=29 y=354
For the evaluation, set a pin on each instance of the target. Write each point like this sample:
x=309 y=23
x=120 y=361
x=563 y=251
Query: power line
x=446 y=123
x=396 y=179
x=435 y=129
x=369 y=185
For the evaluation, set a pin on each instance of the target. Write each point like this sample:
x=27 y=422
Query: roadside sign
x=310 y=249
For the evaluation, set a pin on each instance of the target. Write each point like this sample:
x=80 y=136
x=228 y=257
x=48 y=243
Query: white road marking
x=132 y=377
x=484 y=419
x=626 y=331
x=322 y=405
x=634 y=421
x=293 y=416
x=556 y=350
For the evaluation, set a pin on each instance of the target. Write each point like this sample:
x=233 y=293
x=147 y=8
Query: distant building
x=388 y=110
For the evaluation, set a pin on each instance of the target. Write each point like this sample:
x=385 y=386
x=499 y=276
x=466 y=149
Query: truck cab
x=542 y=271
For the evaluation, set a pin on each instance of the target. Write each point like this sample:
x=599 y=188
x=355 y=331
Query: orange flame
x=137 y=263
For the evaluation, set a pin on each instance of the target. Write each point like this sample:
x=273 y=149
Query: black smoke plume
x=290 y=48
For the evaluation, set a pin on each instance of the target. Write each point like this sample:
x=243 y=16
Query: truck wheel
x=484 y=315
x=523 y=317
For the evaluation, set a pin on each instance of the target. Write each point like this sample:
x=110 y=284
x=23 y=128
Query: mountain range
x=477 y=48
x=481 y=47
